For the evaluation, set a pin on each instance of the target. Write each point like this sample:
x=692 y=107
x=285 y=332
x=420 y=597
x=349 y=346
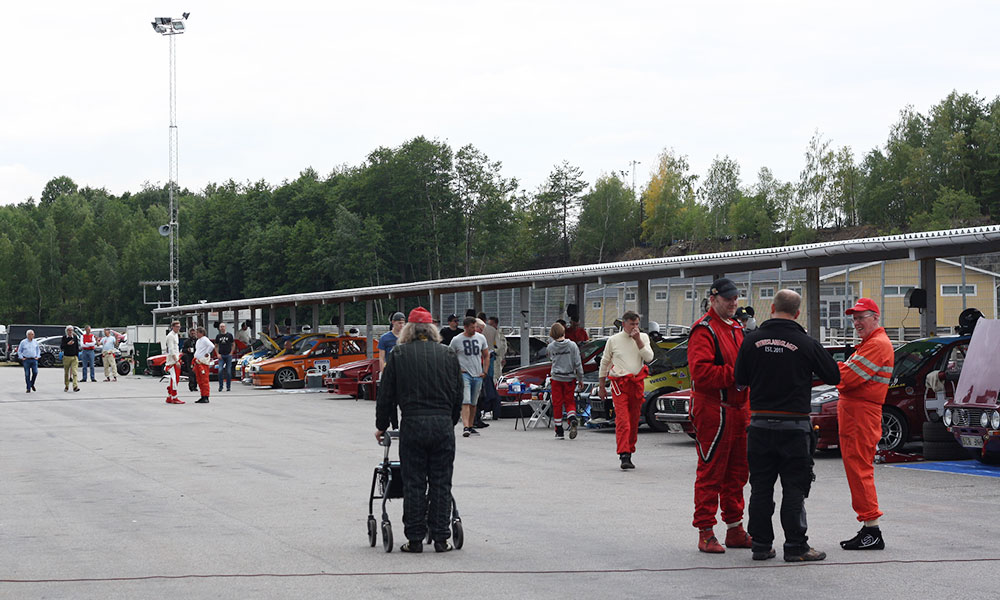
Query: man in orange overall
x=720 y=415
x=864 y=381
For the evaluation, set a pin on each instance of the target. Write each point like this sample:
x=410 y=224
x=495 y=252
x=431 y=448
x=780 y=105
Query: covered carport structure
x=923 y=247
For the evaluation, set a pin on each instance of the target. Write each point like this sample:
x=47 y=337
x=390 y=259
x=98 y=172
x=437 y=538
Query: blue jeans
x=225 y=367
x=30 y=372
x=87 y=360
x=470 y=388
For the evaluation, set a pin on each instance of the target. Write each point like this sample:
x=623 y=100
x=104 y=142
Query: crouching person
x=422 y=378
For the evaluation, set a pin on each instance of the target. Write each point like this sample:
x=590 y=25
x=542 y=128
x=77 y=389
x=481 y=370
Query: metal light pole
x=170 y=27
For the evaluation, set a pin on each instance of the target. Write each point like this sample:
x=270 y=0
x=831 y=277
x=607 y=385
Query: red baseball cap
x=863 y=305
x=420 y=315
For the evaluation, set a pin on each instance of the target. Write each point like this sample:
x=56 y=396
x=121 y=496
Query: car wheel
x=895 y=431
x=284 y=377
x=949 y=450
x=937 y=432
x=124 y=368
x=363 y=385
x=46 y=361
x=990 y=458
x=651 y=413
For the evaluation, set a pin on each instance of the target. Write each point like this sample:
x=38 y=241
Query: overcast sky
x=268 y=89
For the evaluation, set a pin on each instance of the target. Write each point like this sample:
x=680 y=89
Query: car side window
x=350 y=347
x=325 y=349
x=956 y=358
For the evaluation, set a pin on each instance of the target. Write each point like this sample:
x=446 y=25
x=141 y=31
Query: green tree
x=720 y=191
x=608 y=218
x=669 y=190
x=563 y=190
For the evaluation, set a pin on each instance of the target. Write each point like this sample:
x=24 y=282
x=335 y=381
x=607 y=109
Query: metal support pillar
x=340 y=320
x=642 y=296
x=580 y=297
x=525 y=322
x=433 y=305
x=292 y=310
x=400 y=305
x=253 y=323
x=812 y=301
x=928 y=281
x=270 y=320
x=477 y=301
x=315 y=318
x=369 y=318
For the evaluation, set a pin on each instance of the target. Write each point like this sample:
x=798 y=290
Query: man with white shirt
x=172 y=368
x=28 y=352
x=203 y=350
x=108 y=343
x=623 y=365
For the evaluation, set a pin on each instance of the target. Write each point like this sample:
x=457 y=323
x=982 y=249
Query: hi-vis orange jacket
x=865 y=376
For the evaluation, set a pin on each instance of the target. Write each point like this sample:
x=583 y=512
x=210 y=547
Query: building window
x=743 y=293
x=892 y=291
x=797 y=289
x=956 y=290
x=689 y=295
x=596 y=304
x=766 y=293
x=661 y=295
x=629 y=296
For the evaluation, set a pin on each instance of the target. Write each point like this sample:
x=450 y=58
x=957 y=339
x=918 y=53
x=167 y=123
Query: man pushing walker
x=423 y=379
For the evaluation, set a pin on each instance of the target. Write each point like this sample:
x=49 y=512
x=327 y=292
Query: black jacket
x=70 y=349
x=777 y=361
x=421 y=378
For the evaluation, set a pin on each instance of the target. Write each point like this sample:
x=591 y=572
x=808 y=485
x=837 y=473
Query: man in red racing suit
x=720 y=415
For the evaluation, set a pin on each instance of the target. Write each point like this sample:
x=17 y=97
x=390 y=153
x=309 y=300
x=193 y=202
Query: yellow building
x=677 y=301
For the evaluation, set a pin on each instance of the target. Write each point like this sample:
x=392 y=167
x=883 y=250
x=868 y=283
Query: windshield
x=678 y=355
x=302 y=346
x=912 y=356
x=590 y=347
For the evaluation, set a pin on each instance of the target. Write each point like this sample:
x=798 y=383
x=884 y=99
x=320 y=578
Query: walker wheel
x=457 y=535
x=387 y=536
x=372 y=531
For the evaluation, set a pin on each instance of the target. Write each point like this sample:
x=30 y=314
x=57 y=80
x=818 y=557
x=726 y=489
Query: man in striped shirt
x=864 y=381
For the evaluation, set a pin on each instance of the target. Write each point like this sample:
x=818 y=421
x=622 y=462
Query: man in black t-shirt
x=224 y=344
x=448 y=333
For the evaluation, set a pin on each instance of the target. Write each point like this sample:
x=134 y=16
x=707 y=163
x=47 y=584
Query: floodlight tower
x=170 y=27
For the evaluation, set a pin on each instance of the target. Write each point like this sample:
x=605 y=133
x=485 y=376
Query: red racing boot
x=737 y=537
x=707 y=542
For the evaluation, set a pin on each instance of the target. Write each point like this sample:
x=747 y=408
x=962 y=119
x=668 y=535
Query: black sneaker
x=764 y=554
x=443 y=546
x=465 y=432
x=810 y=555
x=869 y=538
x=202 y=400
x=559 y=432
x=626 y=460
x=481 y=424
x=572 y=429
x=472 y=431
x=411 y=546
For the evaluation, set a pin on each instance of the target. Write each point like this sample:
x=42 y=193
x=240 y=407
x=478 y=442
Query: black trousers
x=774 y=453
x=427 y=459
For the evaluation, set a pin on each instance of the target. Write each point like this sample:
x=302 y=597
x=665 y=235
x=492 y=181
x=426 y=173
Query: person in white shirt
x=29 y=353
x=203 y=350
x=108 y=343
x=623 y=365
x=172 y=368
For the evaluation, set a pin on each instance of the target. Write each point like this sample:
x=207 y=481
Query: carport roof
x=912 y=246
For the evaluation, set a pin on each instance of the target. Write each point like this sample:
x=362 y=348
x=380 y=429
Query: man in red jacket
x=864 y=381
x=720 y=416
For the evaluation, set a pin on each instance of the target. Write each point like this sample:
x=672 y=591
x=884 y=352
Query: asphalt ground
x=112 y=493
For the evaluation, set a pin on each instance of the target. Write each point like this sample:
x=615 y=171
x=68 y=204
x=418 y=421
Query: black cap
x=452 y=317
x=398 y=316
x=742 y=314
x=725 y=288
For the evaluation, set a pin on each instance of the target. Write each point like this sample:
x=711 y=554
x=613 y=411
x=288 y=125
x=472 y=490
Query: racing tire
x=387 y=536
x=937 y=432
x=457 y=534
x=284 y=377
x=990 y=458
x=944 y=451
x=46 y=361
x=372 y=531
x=124 y=368
x=650 y=412
x=363 y=385
x=895 y=430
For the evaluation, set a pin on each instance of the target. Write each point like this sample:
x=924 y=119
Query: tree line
x=423 y=210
